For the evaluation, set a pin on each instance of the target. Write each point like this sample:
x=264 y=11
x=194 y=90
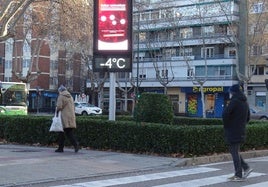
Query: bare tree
x=11 y=12
x=32 y=30
x=64 y=24
x=255 y=40
x=125 y=88
x=152 y=40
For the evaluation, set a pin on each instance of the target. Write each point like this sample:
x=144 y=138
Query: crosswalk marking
x=205 y=181
x=163 y=175
x=261 y=184
x=142 y=178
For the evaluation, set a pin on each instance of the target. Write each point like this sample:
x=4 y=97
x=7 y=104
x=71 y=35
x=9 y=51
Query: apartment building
x=258 y=53
x=179 y=45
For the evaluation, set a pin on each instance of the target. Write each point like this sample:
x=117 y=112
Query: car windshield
x=87 y=105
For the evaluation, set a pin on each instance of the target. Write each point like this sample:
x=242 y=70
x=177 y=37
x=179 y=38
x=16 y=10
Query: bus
x=13 y=98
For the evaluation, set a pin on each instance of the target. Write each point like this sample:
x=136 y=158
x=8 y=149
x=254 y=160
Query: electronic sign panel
x=112 y=35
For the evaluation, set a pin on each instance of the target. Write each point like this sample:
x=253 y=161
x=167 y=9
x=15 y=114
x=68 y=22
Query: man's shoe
x=59 y=150
x=236 y=179
x=230 y=178
x=247 y=172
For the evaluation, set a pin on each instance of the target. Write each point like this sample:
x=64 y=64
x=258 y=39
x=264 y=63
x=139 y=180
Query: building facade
x=180 y=45
x=32 y=57
x=258 y=55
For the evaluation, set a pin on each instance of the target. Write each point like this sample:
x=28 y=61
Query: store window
x=210 y=104
x=261 y=100
x=192 y=104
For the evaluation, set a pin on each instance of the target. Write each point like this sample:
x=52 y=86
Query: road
x=213 y=175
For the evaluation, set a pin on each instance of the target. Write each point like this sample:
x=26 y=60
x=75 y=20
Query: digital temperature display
x=112 y=64
x=112 y=49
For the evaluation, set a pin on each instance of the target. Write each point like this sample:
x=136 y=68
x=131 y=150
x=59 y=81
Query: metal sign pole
x=112 y=98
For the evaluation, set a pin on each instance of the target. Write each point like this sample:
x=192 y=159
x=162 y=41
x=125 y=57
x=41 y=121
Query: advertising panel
x=112 y=35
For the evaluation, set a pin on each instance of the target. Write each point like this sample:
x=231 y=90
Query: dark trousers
x=238 y=161
x=70 y=136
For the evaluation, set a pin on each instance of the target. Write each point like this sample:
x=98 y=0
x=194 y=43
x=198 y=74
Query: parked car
x=86 y=109
x=256 y=113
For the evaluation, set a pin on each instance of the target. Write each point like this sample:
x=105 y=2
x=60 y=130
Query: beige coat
x=65 y=104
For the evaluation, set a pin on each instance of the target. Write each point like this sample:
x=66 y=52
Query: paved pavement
x=25 y=165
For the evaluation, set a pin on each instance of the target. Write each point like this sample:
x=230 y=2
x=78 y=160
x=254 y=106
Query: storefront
x=43 y=100
x=215 y=100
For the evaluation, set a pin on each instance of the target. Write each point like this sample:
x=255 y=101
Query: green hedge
x=128 y=136
x=153 y=107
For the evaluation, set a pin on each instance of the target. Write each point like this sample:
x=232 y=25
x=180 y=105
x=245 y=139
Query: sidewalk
x=25 y=165
x=21 y=165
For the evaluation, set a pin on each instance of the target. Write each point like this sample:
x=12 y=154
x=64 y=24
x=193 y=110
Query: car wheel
x=263 y=118
x=84 y=113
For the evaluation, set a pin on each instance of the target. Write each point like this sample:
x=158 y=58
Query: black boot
x=76 y=148
x=59 y=150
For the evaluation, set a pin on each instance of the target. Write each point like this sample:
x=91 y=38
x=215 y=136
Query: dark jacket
x=235 y=117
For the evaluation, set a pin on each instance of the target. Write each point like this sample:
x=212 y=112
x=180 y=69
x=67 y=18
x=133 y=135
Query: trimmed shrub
x=154 y=108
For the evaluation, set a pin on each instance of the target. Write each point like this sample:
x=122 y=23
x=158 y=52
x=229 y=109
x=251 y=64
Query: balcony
x=183 y=58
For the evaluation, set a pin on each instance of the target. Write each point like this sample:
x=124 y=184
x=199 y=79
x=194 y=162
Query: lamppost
x=138 y=50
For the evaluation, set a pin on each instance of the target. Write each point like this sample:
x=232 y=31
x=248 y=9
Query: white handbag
x=56 y=125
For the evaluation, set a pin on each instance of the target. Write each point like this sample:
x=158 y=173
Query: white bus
x=13 y=98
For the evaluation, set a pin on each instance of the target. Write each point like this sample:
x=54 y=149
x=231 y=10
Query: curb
x=220 y=158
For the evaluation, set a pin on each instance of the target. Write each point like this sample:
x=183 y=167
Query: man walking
x=235 y=117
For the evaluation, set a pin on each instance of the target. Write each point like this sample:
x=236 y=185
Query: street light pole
x=138 y=56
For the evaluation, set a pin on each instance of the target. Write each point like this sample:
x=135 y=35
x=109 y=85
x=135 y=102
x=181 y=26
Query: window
x=169 y=52
x=167 y=13
x=213 y=71
x=186 y=52
x=8 y=64
x=232 y=53
x=155 y=15
x=142 y=76
x=164 y=73
x=163 y=36
x=207 y=52
x=145 y=16
x=257 y=50
x=171 y=35
x=26 y=63
x=258 y=7
x=136 y=17
x=258 y=71
x=186 y=32
x=122 y=75
x=142 y=36
x=190 y=72
x=208 y=30
x=54 y=64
